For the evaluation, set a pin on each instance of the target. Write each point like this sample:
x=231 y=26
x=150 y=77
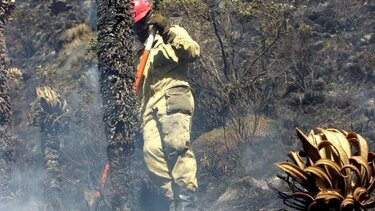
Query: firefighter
x=167 y=106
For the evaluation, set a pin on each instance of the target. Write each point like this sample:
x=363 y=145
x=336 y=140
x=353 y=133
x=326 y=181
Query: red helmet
x=140 y=9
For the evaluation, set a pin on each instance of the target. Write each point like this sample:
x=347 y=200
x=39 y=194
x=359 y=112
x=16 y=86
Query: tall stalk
x=7 y=146
x=115 y=62
x=50 y=113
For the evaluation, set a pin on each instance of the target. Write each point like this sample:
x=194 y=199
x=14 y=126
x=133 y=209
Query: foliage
x=223 y=147
x=186 y=5
x=7 y=143
x=335 y=170
x=295 y=63
x=231 y=61
x=7 y=7
x=78 y=32
x=49 y=110
x=50 y=113
x=235 y=77
x=15 y=77
x=92 y=44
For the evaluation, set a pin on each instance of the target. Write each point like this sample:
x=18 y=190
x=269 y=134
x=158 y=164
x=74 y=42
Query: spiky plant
x=7 y=145
x=50 y=113
x=334 y=171
x=115 y=62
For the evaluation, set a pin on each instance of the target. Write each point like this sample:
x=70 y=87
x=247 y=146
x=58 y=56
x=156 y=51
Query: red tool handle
x=140 y=69
x=103 y=179
x=144 y=58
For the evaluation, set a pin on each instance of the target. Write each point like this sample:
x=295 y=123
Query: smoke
x=31 y=181
x=74 y=76
x=262 y=155
x=91 y=8
x=93 y=79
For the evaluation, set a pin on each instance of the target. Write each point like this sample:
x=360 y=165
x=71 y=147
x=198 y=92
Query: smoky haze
x=61 y=54
x=318 y=73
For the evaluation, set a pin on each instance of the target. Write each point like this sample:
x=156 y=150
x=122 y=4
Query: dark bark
x=115 y=63
x=7 y=148
x=51 y=153
x=50 y=113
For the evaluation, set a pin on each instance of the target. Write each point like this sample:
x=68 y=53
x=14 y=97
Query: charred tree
x=7 y=146
x=50 y=113
x=115 y=62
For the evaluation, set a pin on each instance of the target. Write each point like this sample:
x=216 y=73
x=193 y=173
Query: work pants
x=167 y=152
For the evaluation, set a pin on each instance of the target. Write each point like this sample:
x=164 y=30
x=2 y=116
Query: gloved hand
x=163 y=26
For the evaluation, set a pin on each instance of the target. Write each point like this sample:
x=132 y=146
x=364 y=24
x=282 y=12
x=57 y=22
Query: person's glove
x=163 y=26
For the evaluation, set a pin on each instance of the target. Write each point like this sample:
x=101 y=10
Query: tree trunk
x=115 y=62
x=50 y=113
x=7 y=148
x=51 y=153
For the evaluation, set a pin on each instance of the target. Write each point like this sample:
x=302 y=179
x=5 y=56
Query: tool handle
x=103 y=179
x=144 y=58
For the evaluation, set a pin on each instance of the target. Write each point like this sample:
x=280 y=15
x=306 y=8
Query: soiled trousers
x=167 y=152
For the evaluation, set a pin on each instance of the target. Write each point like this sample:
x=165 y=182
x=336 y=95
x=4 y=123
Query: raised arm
x=178 y=46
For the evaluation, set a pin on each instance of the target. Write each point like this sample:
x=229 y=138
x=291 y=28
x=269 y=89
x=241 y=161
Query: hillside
x=266 y=67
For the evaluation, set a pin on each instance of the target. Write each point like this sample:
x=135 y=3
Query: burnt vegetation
x=266 y=67
x=7 y=143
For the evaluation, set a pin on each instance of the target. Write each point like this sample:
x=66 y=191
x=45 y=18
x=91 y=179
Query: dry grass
x=15 y=77
x=212 y=147
x=14 y=73
x=76 y=38
x=79 y=32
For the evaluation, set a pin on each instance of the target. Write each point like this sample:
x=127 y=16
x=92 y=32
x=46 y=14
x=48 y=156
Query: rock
x=363 y=41
x=367 y=39
x=370 y=38
x=275 y=182
x=318 y=45
x=249 y=193
x=370 y=109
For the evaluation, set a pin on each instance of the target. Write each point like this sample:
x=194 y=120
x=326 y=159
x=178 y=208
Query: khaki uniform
x=166 y=108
